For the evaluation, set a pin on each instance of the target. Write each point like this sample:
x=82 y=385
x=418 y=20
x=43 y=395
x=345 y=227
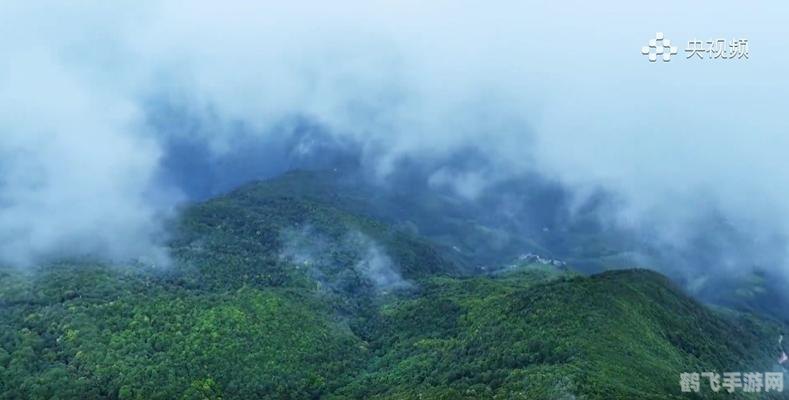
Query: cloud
x=74 y=168
x=536 y=88
x=346 y=264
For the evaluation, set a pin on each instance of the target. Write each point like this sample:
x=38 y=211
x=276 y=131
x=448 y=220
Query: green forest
x=278 y=291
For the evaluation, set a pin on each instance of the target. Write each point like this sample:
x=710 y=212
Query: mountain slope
x=96 y=332
x=276 y=293
x=241 y=237
x=626 y=334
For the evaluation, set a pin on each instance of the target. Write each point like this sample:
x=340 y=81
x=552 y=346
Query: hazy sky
x=561 y=89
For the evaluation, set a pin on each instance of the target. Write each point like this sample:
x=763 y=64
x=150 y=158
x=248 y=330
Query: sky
x=111 y=115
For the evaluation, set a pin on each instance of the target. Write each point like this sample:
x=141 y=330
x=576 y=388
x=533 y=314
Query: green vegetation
x=272 y=295
x=625 y=334
x=238 y=239
x=142 y=339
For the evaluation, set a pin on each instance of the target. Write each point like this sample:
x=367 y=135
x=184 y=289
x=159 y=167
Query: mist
x=326 y=261
x=110 y=119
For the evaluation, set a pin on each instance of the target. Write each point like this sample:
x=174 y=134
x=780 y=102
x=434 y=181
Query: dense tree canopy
x=281 y=297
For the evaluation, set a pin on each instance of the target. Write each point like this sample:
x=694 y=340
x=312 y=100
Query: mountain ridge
x=277 y=294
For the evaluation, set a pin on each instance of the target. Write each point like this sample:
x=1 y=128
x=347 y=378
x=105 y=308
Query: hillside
x=277 y=290
x=625 y=334
x=482 y=231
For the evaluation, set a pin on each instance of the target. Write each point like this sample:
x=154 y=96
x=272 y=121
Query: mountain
x=523 y=215
x=314 y=286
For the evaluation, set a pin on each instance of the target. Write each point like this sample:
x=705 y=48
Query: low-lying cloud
x=347 y=264
x=93 y=157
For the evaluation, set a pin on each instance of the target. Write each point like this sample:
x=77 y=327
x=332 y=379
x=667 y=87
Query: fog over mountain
x=109 y=120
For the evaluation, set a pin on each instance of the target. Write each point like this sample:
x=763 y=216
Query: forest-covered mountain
x=310 y=286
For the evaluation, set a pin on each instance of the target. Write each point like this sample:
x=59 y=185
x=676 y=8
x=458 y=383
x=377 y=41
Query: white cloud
x=563 y=90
